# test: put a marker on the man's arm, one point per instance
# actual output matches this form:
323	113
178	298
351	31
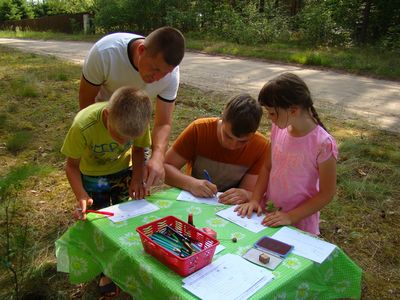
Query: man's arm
87	93
154	171
174	177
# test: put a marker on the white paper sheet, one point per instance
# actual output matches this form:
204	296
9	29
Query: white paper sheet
130	209
187	196
305	245
229	277
253	224
219	249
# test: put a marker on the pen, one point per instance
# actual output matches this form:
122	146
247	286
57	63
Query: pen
207	176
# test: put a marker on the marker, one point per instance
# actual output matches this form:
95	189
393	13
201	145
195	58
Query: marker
207	176
190	219
106	213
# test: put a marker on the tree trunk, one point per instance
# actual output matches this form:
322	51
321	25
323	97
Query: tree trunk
261	6
365	21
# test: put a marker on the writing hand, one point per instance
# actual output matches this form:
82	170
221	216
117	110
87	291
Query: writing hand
203	188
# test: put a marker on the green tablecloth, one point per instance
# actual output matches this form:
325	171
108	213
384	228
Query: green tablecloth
99	245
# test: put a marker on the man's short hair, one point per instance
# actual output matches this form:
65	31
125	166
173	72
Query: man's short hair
129	111
168	41
243	113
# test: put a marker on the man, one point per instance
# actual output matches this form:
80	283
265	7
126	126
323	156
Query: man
222	154
149	63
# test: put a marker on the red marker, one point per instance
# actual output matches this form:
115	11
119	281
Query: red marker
190	219
106	213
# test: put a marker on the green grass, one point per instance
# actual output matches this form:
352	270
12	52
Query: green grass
363	219
19	141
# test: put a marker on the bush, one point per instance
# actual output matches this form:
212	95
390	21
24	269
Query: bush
317	26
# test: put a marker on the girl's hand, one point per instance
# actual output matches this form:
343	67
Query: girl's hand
203	188
277	218
81	206
247	209
234	196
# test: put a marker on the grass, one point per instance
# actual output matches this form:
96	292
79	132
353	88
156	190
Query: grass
36	201
365	60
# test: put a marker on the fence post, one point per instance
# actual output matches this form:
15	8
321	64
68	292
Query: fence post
86	23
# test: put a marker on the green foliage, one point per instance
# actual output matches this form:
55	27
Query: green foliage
19	141
8	11
55	7
318	25
127	15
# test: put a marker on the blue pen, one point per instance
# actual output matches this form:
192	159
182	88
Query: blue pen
207	176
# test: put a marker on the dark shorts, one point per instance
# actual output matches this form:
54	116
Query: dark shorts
109	189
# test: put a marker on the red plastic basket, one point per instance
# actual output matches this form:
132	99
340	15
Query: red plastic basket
182	266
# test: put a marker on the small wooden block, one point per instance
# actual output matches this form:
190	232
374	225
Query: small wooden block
264	258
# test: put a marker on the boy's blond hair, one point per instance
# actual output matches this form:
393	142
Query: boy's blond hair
129	111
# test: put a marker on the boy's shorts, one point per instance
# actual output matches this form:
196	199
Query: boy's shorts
109	189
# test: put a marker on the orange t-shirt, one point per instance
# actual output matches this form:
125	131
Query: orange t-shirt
199	145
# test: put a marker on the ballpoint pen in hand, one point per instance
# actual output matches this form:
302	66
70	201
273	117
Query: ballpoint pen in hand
207	176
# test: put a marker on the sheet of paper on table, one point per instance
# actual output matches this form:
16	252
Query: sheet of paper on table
130	209
305	245
253	224
187	196
229	277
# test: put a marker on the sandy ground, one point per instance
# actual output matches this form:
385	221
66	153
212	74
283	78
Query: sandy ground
372	100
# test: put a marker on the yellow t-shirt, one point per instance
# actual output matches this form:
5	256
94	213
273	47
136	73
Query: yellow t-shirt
89	140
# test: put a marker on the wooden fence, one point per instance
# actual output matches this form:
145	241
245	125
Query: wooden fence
68	23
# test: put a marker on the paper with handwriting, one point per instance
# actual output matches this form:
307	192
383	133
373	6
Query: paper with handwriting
187	196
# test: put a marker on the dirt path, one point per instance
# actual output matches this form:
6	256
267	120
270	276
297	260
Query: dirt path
376	101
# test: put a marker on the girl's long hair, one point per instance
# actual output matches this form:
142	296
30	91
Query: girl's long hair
287	90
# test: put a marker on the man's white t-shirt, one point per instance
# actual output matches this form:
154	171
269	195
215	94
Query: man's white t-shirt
108	65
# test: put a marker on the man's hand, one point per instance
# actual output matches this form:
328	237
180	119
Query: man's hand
247	209
203	188
81	206
154	172
277	218
234	196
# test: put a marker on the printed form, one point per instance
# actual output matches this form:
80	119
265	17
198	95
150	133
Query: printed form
253	224
305	245
229	277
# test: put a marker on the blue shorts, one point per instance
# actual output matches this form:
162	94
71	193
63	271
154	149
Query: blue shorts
109	189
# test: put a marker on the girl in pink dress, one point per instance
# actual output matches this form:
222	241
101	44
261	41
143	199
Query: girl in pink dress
299	175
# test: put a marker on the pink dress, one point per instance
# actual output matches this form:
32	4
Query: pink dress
294	174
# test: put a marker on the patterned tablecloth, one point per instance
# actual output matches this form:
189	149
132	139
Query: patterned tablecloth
99	245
